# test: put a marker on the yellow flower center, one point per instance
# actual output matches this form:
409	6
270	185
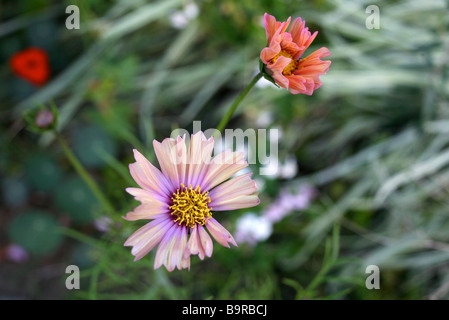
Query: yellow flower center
291	66
190	206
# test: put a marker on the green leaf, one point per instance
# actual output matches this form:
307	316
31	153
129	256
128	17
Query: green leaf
75	199
265	73
36	231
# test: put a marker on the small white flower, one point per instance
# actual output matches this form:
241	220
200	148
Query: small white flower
191	10
103	223
252	229
279	132
260	182
290	167
264	83
180	19
264	119
272	169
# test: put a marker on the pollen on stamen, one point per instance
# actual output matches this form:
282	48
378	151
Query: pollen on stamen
292	66
190	206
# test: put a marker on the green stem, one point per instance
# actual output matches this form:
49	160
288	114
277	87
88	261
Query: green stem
85	175
236	103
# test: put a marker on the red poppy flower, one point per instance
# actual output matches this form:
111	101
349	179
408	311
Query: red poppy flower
32	65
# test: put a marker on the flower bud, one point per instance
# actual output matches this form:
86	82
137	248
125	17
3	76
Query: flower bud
41	119
44	118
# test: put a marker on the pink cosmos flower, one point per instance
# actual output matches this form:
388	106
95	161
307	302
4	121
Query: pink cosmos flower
181	198
282	56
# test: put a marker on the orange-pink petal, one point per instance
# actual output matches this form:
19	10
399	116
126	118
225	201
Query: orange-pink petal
271	25
301	35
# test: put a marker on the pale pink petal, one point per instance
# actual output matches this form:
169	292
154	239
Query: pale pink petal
194	245
200	242
242	184
147	211
171	249
147	196
171	155
136	236
181	153
142	231
142	249
148	176
185	263
164	247
222	167
206	241
199	155
220	234
239	202
148	237
236	193
178	257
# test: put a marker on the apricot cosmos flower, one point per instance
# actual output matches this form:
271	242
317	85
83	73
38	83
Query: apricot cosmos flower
181	198
282	58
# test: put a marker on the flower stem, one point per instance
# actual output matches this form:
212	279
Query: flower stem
228	115
85	175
